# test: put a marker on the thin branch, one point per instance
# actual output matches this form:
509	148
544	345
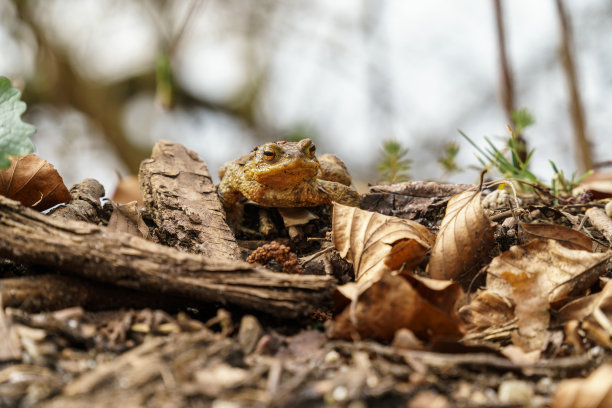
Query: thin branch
584	156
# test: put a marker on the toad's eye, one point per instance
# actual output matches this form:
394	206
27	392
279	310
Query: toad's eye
312	149
269	153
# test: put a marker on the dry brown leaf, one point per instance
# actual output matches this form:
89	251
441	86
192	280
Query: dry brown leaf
594	313
33	182
599	185
530	308
587	305
128	218
464	242
487	310
128	190
368	240
536	276
566	236
567	272
595	391
395	302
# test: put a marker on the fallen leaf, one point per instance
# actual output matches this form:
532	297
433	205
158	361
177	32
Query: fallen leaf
395	302
486	311
587	305
530	308
594	313
595	391
128	190
33	182
464	242
599	185
368	240
536	276
128	218
566	272
566	236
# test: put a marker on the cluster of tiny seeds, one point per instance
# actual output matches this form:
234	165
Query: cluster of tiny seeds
280	253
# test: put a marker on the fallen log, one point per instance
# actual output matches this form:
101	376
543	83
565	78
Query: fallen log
125	260
54	292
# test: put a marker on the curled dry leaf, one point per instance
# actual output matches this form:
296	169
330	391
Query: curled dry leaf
376	243
593	314
536	276
595	391
566	272
583	307
395	302
33	182
566	236
464	242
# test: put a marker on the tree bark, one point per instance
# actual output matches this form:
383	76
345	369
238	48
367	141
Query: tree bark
178	191
93	252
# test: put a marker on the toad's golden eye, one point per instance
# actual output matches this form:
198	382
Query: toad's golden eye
312	149
269	153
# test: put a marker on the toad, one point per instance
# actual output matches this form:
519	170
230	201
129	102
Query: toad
286	174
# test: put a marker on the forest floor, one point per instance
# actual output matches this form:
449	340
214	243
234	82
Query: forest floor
139	311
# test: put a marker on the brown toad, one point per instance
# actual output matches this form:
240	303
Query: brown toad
286	174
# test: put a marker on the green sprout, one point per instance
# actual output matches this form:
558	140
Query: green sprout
394	166
513	167
448	161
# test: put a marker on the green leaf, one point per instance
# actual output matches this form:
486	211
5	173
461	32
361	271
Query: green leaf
522	119
14	134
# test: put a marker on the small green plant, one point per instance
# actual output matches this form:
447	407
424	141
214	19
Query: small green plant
394	166
515	168
164	79
14	134
512	167
522	119
560	185
448	161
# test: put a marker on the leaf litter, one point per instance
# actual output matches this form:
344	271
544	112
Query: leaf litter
33	182
541	304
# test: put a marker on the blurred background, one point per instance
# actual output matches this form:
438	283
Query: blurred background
105	79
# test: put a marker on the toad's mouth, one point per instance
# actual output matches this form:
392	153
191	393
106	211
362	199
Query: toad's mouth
284	175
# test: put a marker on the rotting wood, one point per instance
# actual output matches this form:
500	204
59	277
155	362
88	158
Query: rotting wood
84	204
53	292
94	252
178	190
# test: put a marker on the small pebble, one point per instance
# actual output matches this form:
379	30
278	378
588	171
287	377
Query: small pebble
609	209
332	357
339	393
515	392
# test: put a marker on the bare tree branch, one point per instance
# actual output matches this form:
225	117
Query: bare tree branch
583	147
